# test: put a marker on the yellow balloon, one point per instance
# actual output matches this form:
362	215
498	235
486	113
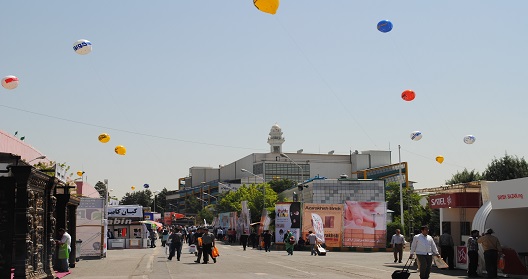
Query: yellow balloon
267	6
133	188
104	138
80	173
440	159
121	150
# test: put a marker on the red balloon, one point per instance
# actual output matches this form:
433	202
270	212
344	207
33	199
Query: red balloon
408	95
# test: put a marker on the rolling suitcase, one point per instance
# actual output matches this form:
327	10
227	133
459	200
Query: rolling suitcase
404	273
320	250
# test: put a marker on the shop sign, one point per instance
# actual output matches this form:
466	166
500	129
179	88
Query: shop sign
462	255
509	193
455	200
125	211
120	221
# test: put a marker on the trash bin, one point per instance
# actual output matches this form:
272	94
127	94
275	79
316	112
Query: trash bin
78	244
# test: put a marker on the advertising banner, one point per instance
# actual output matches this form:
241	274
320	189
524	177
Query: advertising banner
509	193
365	224
91	240
125	211
167	218
90	212
227	220
245	219
287	217
325	220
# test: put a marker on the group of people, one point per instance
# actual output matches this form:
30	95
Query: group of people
424	248
202	238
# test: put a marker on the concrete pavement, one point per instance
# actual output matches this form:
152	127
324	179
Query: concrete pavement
235	263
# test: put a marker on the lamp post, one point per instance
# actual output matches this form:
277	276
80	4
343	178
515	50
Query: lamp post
216	199
155	194
263	186
38	158
203	201
302	173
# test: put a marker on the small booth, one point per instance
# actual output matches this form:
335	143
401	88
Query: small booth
124	223
504	211
457	211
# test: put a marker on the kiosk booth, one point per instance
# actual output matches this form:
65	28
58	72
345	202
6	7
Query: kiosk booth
128	232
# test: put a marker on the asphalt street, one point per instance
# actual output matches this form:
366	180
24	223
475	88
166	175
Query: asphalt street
235	263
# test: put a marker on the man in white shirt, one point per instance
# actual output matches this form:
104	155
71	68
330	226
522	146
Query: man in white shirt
398	243
65	240
424	247
312	238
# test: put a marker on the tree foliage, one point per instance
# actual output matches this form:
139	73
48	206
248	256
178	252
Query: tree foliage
192	205
143	198
505	168
464	177
414	215
101	188
254	194
279	185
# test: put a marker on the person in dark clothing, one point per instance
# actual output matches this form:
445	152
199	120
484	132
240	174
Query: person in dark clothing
253	239
447	249
244	239
164	234
197	240
267	240
175	244
472	246
208	241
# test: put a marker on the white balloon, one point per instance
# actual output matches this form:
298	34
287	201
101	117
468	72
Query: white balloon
416	135
10	82
82	47
469	139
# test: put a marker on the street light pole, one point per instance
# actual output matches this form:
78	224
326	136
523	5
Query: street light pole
302	173
155	194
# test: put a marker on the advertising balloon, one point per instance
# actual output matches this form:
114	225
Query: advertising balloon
104	138
80	173
267	6
408	95
469	139
133	188
82	47
10	82
440	159
146	186
121	150
416	135
384	26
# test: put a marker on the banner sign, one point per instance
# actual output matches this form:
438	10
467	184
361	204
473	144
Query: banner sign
287	217
365	224
325	220
125	211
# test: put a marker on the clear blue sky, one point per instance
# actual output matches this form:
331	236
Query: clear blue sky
200	83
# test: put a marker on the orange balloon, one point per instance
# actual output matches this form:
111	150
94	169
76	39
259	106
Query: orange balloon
408	95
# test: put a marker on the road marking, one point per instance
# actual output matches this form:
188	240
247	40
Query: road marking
292	268
377	269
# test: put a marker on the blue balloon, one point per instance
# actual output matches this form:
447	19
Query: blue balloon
384	26
145	186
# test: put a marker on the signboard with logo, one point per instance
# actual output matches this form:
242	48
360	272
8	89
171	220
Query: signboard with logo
325	220
287	217
455	200
509	193
125	211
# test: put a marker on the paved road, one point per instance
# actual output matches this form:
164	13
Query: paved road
235	263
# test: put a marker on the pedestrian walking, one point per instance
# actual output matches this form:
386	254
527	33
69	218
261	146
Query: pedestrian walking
289	242
164	237
447	249
176	239
199	244
472	246
64	249
244	239
424	247
398	244
266	237
208	240
492	250
312	239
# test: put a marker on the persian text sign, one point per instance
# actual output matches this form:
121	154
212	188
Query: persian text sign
509	193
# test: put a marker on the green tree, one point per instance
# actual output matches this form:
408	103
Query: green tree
505	168
414	215
254	194
143	198
192	205
161	201
279	185
101	188
464	177
206	213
